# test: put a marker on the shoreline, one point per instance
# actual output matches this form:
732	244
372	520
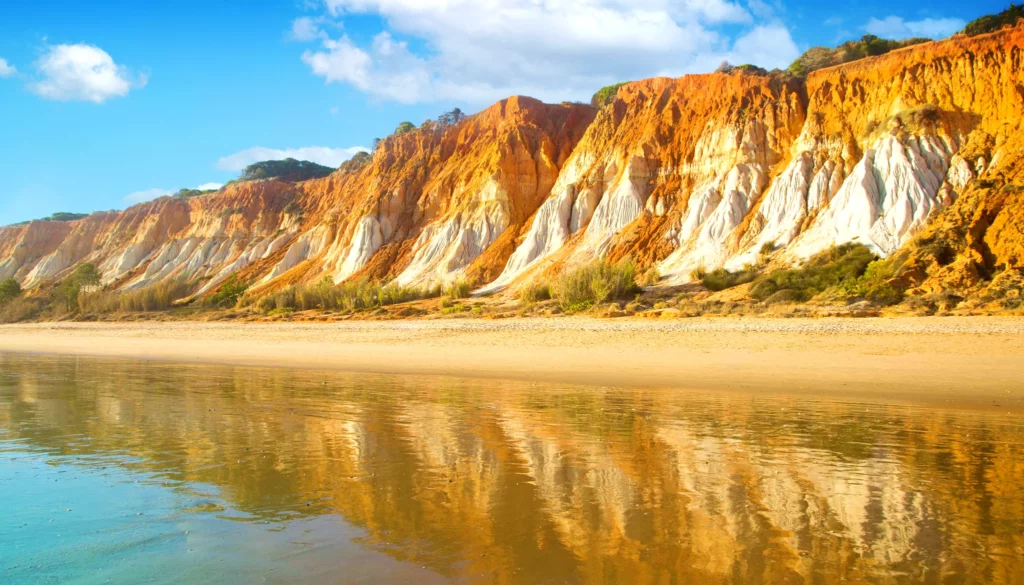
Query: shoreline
973	360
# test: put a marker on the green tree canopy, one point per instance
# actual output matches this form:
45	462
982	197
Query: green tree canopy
64	216
288	169
868	46
606	95
404	128
86	275
994	22
9	290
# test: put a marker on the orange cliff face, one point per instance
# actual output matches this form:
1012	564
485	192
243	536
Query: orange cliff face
705	171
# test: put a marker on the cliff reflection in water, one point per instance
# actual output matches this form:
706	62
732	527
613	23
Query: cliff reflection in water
492	482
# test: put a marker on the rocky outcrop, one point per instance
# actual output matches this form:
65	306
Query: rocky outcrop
705	171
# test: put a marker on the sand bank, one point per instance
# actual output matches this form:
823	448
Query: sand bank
975	359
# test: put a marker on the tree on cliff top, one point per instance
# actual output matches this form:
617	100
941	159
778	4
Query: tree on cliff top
288	169
994	22
868	46
63	216
404	128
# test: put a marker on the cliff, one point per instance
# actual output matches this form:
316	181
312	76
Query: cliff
915	154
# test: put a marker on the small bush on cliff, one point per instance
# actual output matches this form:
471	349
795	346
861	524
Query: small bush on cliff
9	290
994	22
360	160
721	279
868	46
62	216
587	286
459	289
651	277
606	95
404	128
66	294
536	292
229	292
837	268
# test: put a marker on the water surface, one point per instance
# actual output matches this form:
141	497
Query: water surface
132	472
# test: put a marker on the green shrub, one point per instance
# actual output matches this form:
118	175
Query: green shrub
157	297
63	216
404	128
536	292
66	294
994	22
651	277
593	284
868	46
229	292
839	265
459	289
288	169
605	95
787	296
874	284
698	274
721	279
9	290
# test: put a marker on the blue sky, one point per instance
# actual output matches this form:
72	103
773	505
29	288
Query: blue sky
105	103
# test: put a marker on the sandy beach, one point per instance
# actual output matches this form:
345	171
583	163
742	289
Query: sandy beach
951	360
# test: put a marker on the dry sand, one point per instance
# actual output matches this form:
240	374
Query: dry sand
975	360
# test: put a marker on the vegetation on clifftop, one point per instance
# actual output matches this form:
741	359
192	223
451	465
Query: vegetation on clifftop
993	22
288	169
868	46
605	95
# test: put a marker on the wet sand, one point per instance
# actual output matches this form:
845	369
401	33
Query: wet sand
975	360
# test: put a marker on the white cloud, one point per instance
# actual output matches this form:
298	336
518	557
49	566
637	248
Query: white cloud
144	196
305	29
82	73
6	69
331	157
209	186
894	27
483	50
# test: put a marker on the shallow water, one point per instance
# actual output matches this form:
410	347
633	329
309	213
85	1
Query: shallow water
133	472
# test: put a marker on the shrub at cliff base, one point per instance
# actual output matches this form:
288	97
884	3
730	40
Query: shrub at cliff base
157	297
579	289
9	290
849	270
536	292
229	292
66	294
348	296
459	289
721	279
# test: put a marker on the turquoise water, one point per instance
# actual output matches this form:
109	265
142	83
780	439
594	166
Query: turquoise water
130	472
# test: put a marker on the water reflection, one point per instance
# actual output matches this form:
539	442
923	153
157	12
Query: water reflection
490	482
